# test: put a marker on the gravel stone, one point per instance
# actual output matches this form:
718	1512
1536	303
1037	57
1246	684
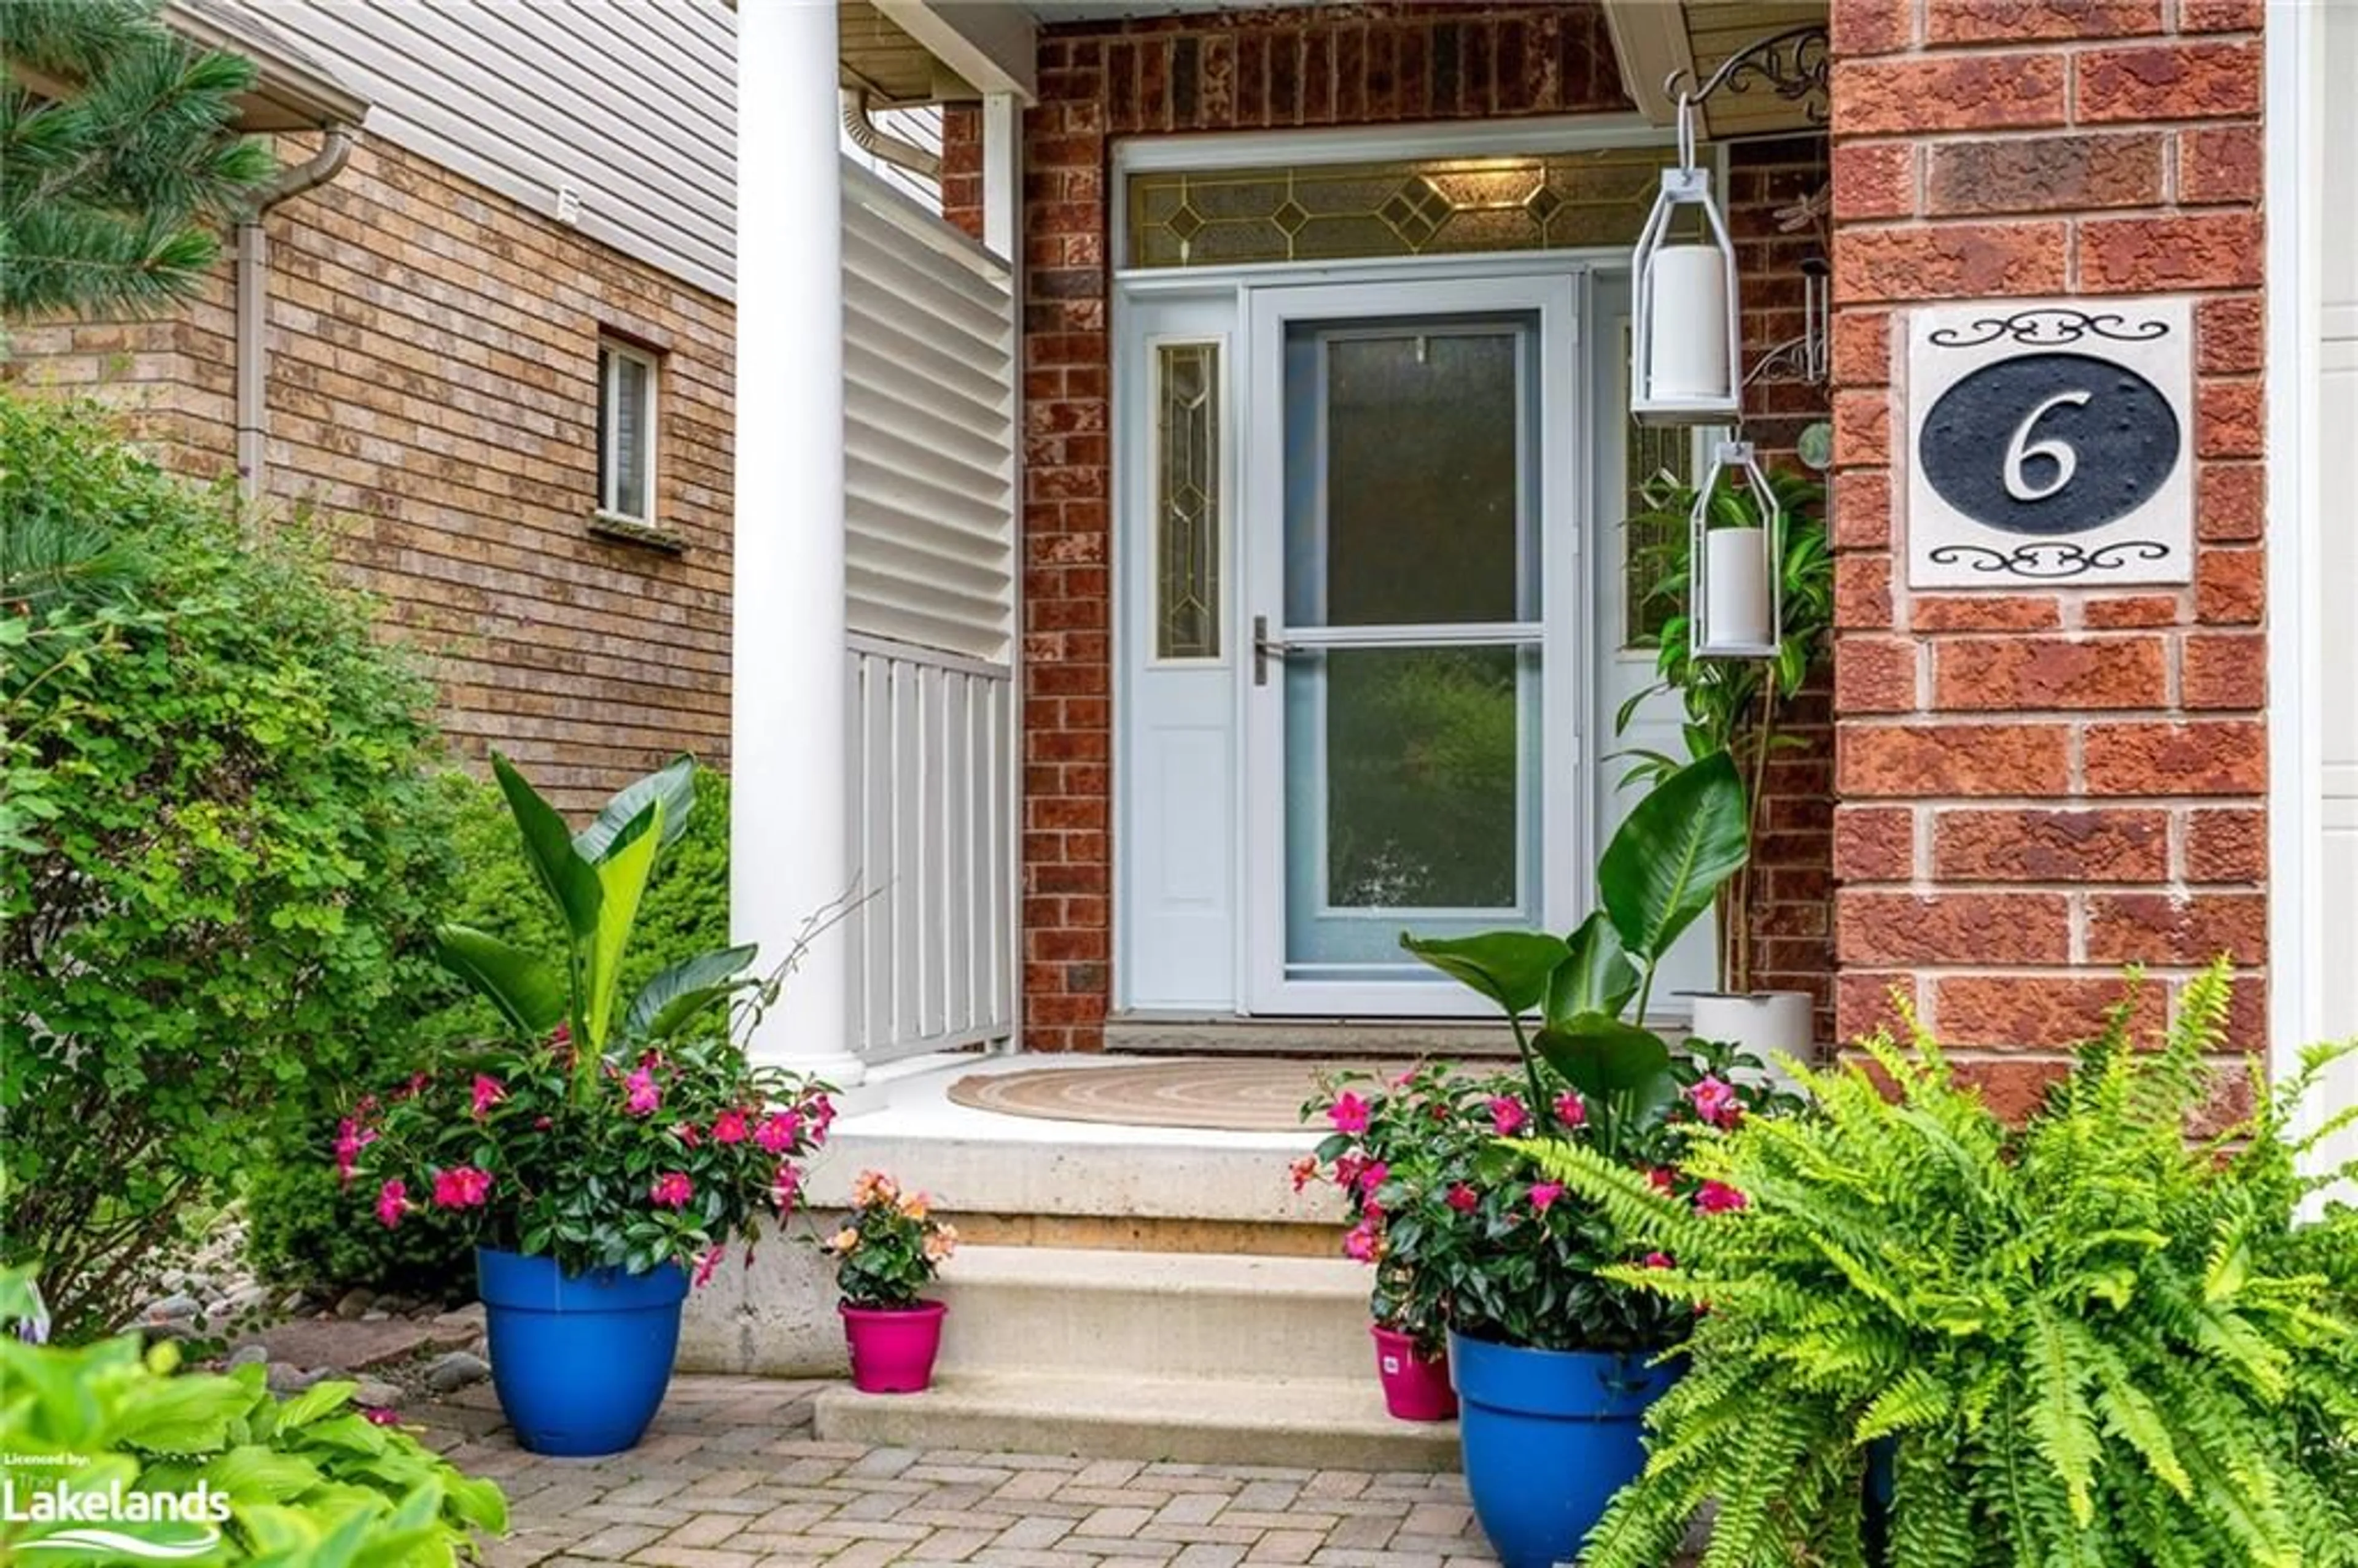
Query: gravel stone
353	1303
455	1370
286	1377
377	1392
248	1353
173	1307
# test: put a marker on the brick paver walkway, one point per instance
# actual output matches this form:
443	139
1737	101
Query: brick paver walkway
730	1478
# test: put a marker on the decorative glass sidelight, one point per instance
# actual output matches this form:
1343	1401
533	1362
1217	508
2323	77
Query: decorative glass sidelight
1188	500
1738	602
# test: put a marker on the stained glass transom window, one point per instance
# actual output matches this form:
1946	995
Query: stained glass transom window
1320	212
1188	500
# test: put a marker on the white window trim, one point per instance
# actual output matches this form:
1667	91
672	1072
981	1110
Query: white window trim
612	352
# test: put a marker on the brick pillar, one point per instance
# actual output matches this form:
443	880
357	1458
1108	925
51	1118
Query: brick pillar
2038	788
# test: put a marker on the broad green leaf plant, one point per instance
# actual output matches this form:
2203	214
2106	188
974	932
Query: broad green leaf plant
309	1482
2086	1341
1732	706
1590	989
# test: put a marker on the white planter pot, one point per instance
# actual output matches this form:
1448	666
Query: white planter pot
1765	1024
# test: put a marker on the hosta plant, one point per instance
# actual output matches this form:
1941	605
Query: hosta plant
2087	1340
602	1134
115	1455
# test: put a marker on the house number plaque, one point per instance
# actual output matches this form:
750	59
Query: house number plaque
2050	444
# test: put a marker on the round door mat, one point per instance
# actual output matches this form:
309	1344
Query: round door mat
1227	1097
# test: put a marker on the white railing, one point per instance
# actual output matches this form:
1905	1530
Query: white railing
930	578
933	944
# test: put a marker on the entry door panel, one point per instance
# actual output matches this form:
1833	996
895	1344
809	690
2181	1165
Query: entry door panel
1412	522
1411	638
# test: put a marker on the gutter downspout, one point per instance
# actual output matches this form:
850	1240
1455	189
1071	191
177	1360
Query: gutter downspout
877	142
254	302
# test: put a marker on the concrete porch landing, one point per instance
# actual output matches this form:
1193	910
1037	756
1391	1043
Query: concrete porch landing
1151	1293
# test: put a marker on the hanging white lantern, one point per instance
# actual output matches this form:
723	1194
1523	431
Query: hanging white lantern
1685	346
1736	584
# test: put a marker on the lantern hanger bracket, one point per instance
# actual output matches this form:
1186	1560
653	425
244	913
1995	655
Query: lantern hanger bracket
1796	65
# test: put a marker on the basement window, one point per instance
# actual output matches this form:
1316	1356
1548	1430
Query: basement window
626	432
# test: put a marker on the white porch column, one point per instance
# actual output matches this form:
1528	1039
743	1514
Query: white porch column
789	830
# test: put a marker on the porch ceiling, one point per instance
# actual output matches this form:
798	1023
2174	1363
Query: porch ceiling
878	55
1654	39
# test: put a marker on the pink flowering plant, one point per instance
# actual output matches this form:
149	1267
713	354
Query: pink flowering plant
605	1136
889	1246
1463	1229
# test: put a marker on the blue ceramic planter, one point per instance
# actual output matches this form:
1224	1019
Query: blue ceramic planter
1549	1435
580	1361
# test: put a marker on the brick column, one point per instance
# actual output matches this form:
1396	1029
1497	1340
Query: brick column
2038	788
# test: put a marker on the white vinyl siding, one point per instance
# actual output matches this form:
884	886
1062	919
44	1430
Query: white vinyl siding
627	391
929	428
631	106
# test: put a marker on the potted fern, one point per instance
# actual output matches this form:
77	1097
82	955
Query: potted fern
2085	1340
1738	708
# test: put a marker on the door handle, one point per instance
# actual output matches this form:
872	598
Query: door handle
1264	646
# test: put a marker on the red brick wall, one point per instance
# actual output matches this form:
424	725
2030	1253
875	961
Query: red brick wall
1344	65
1791	902
2038	788
433	396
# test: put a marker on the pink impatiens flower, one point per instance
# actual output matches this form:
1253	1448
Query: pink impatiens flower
672	1189
1544	1194
1657	1260
640	1095
461	1187
710	1260
1373	1177
379	1415
1508	1116
1304	1171
686	1133
1717	1197
1463	1198
351	1139
1715	1101
1362	1243
1348	1113
1570	1109
778	1131
729	1126
1663	1179
819	1112
392	1203
785	1185
488	1092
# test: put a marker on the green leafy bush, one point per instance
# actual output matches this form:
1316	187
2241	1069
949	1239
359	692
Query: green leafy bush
304	1225
308	1482
229	885
2085	1341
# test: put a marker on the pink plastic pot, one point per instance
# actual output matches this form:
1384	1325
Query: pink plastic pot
1416	1388
893	1349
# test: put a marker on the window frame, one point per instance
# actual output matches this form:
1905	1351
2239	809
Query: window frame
611	503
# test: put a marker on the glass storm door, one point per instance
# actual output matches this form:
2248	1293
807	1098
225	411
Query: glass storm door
1398	669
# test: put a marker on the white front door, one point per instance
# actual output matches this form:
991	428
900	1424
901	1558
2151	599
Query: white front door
1411	671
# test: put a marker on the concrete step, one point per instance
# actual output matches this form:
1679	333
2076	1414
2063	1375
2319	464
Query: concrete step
1313	1422
1068	1311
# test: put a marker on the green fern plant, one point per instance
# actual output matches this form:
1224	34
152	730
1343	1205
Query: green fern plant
2086	1341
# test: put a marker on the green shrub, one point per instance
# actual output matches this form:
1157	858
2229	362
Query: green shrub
225	896
308	1482
306	1228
